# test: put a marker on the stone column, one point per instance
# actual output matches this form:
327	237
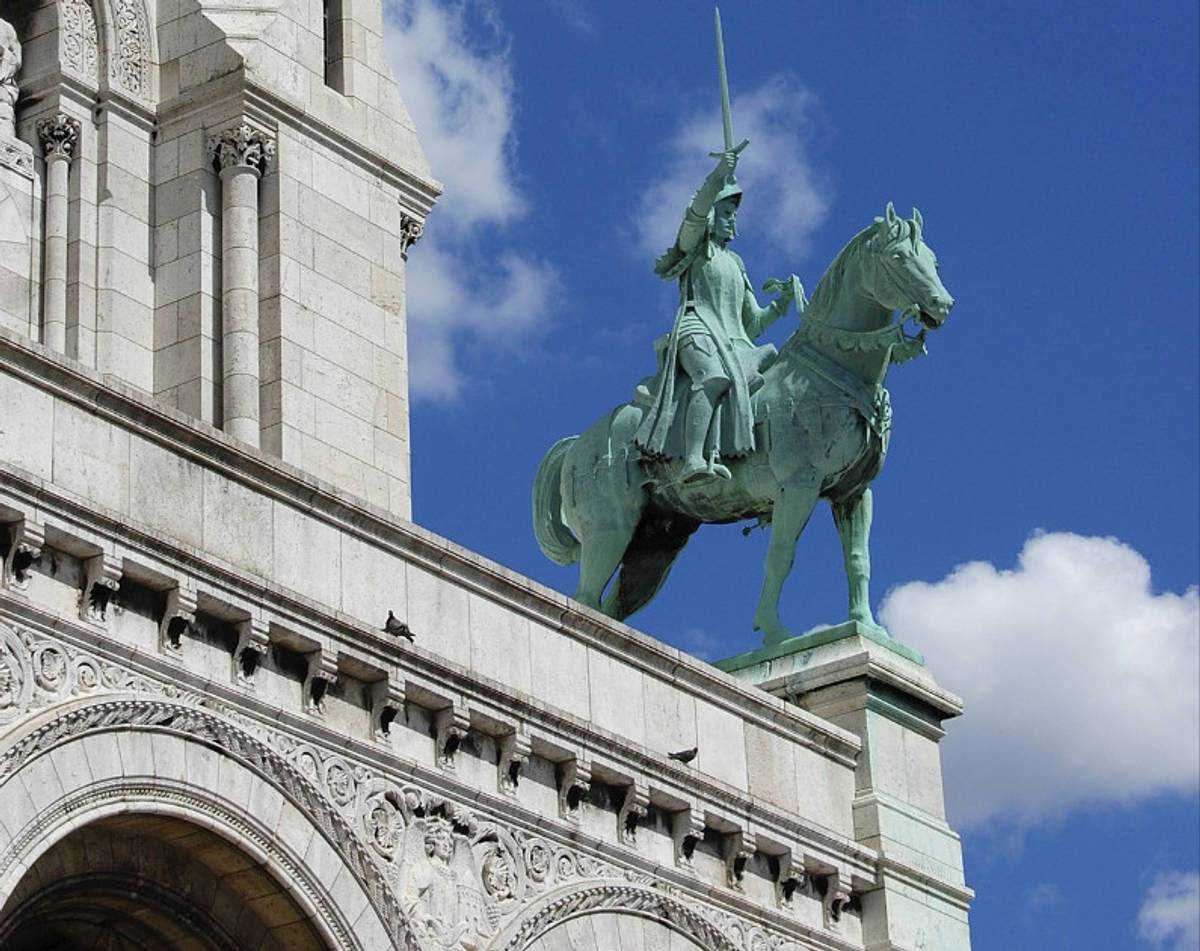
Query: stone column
59	136
242	155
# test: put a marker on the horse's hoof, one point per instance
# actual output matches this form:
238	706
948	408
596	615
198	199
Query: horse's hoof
773	631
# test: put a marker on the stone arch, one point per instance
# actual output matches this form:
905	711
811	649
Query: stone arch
105	44
604	915
87	764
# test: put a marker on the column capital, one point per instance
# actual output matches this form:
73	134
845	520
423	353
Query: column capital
242	146
59	136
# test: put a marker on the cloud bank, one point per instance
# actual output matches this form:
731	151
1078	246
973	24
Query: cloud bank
1079	680
786	200
459	90
1170	912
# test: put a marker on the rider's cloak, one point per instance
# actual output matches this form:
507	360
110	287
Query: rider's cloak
715	280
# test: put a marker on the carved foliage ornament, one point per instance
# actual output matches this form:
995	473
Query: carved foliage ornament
129	64
79	38
242	147
59	135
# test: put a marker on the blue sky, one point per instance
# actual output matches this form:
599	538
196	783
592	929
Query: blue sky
1036	523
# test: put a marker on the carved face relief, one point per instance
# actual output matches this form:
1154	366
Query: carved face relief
439	840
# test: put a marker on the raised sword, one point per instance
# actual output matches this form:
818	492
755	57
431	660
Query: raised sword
723	79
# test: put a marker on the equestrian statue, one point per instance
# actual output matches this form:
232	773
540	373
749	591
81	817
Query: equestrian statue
726	430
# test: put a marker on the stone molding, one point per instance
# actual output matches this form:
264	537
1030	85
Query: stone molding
59	136
242	146
129	60
501	880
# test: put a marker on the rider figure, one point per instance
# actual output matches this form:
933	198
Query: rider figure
706	413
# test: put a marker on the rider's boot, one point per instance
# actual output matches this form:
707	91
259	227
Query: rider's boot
696	424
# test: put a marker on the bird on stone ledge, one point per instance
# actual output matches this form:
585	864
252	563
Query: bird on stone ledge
685	756
398	628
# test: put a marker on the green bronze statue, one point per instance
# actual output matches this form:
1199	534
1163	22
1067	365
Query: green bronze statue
725	430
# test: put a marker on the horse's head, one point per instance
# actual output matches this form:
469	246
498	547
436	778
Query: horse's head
905	275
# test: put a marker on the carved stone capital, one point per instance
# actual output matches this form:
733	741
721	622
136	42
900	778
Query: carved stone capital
59	136
633	811
514	754
687	829
242	146
179	615
322	671
411	230
574	781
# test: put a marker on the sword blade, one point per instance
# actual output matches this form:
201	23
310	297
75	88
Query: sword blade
723	78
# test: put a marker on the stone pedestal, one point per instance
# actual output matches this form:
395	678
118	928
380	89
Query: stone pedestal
862	680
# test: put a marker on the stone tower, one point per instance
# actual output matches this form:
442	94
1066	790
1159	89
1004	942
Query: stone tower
211	735
213	204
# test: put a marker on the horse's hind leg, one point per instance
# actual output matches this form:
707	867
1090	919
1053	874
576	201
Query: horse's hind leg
600	555
793	506
853	521
646	564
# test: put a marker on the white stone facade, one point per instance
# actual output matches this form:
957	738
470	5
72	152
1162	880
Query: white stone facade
207	740
121	252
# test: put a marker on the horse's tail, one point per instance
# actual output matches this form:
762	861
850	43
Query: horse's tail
553	537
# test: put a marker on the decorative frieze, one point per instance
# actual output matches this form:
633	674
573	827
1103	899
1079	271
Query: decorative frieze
79	39
129	62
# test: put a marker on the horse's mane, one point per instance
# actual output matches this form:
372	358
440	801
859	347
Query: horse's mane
829	288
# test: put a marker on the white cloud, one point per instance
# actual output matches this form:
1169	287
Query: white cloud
1080	682
1170	912
785	199
459	90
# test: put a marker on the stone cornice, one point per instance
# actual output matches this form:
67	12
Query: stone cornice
236	93
276	479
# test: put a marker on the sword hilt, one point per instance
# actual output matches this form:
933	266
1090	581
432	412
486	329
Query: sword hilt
736	150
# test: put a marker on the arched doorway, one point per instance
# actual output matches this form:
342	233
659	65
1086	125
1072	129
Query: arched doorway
151	883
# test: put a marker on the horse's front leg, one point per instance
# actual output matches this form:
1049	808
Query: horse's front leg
793	506
853	521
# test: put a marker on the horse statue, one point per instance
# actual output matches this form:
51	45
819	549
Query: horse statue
822	421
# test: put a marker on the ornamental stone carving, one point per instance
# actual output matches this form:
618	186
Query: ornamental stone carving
79	40
129	62
411	230
59	136
242	147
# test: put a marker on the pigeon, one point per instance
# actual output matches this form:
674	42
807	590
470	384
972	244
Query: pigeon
685	756
398	628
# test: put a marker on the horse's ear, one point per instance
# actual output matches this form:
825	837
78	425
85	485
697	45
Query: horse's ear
918	220
915	231
890	215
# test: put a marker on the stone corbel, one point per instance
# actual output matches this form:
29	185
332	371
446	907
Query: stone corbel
837	894
28	540
736	849
253	638
178	617
514	749
101	581
687	830
411	230
574	781
788	878
387	703
633	810
322	671
450	726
